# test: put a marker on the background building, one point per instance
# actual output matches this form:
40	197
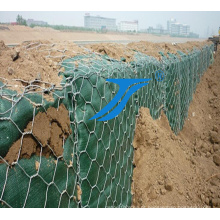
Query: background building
128	26
178	29
186	30
174	29
158	30
169	23
33	22
99	23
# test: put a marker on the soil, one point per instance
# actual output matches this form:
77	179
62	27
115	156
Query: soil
153	49
49	130
182	170
127	52
31	62
113	50
79	193
39	62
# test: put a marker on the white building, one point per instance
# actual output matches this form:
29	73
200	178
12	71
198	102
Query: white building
128	26
178	29
98	23
175	28
169	24
185	30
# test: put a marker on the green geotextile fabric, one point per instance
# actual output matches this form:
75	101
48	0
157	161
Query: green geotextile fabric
101	152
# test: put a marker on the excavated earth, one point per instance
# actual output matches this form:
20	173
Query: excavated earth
41	60
182	170
48	131
120	51
36	61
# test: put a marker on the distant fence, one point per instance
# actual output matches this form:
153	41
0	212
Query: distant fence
94	167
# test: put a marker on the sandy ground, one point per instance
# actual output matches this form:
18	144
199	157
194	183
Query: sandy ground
18	34
183	170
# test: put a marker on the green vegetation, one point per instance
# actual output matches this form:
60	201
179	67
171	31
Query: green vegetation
64	27
20	20
191	35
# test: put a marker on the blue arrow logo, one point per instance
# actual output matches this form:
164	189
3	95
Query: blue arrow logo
124	84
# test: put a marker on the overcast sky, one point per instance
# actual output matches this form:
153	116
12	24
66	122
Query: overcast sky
203	23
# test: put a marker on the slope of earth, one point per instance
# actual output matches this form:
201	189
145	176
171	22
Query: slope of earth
183	170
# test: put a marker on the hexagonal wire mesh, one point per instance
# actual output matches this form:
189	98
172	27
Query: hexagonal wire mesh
95	166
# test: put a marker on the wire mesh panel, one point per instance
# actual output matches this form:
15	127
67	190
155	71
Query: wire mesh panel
52	155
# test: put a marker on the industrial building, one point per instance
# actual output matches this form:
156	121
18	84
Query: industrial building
99	23
127	26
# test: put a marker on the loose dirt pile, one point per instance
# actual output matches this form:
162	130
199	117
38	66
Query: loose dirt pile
183	170
40	61
49	130
113	50
127	52
34	61
16	28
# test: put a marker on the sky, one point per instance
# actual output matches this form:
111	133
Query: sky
203	23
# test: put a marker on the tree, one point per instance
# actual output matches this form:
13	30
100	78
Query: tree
20	20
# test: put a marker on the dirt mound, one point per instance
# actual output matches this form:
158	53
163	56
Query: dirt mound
49	130
2	46
113	50
23	28
183	170
16	28
40	61
127	52
34	61
4	28
44	29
